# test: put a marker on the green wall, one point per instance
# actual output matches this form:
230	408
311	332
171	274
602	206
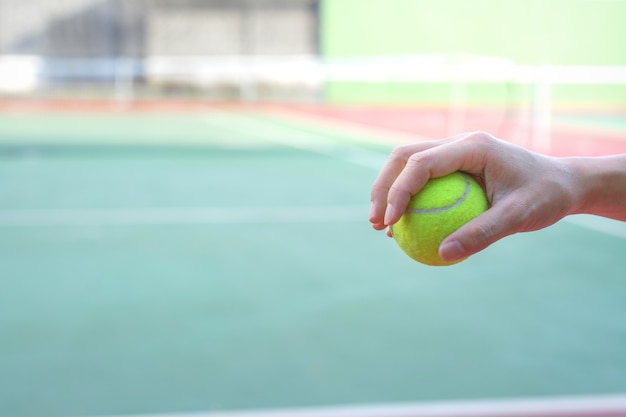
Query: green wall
533	32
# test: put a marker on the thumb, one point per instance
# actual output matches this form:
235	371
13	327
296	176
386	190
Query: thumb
479	233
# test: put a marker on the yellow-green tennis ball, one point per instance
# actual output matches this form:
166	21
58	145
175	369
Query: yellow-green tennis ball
441	207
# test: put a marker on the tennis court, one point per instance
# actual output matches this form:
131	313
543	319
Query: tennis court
219	260
184	201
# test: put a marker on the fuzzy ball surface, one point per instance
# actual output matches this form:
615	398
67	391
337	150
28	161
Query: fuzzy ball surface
441	207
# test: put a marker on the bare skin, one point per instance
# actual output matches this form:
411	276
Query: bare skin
527	191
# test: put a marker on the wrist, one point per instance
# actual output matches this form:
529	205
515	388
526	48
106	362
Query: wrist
599	185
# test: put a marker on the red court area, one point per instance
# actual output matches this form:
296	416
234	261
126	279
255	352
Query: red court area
579	136
567	133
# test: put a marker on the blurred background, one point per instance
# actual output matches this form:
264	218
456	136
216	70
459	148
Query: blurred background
184	190
508	65
143	49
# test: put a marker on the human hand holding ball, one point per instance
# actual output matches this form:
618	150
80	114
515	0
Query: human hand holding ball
426	197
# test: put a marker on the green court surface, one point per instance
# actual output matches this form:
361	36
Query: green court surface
159	263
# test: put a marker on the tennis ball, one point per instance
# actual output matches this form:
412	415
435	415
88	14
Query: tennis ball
442	206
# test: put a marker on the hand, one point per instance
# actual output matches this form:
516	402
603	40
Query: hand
526	191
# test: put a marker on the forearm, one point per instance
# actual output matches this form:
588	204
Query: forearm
600	185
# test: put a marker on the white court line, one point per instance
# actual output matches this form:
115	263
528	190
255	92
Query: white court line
268	131
374	134
599	224
584	406
182	215
371	159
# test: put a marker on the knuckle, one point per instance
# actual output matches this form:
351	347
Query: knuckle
397	190
484	234
480	138
378	191
479	235
401	153
420	159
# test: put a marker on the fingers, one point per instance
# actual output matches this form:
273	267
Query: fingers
409	168
386	178
395	164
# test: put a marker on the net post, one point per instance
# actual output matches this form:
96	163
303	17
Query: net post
248	79
123	79
456	107
541	123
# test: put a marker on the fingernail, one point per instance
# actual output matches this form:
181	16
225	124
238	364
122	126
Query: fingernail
451	251
389	213
372	210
